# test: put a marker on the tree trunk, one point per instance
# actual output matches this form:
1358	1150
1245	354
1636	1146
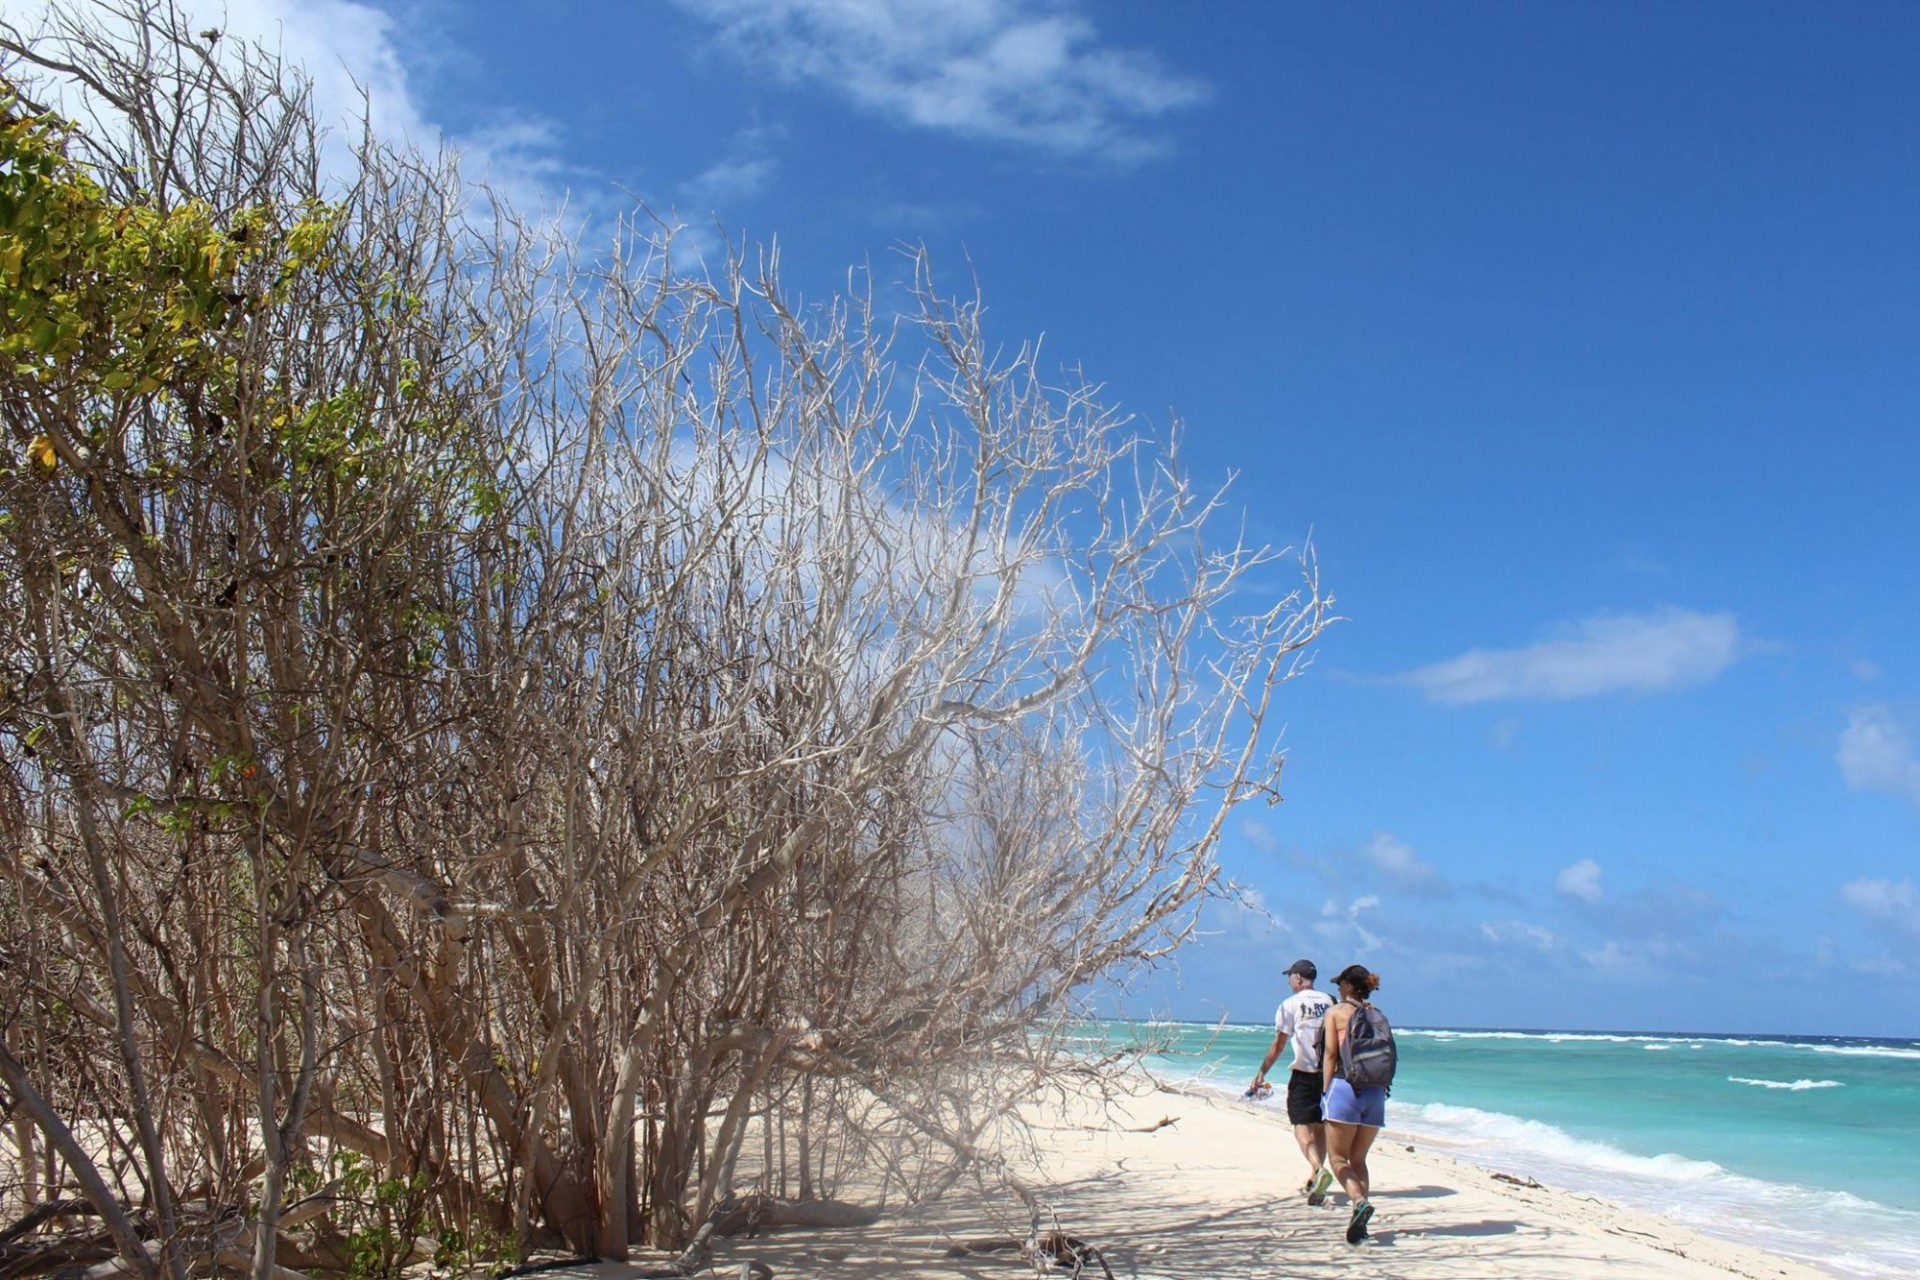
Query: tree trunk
616	1160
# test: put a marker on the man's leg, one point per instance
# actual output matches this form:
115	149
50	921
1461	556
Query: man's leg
1304	1135
1313	1145
1303	1109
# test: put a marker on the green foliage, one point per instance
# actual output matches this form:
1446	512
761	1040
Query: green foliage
128	337
462	1250
379	1216
125	299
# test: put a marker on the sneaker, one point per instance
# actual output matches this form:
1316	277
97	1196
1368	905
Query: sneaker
1357	1225
1317	1187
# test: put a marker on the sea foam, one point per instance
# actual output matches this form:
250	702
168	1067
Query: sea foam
1692	1042
1505	1141
1862	1051
1831	1229
1553	1037
1710	1114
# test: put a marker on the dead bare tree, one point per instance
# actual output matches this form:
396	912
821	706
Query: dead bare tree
493	723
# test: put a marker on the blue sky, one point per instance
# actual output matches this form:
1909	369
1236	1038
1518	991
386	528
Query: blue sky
1580	335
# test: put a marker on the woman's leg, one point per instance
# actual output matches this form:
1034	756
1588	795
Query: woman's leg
1340	1139
1359	1141
1358	1146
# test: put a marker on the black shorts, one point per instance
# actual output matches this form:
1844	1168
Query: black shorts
1303	1097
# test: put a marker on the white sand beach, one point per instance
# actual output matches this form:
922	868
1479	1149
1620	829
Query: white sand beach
1213	1194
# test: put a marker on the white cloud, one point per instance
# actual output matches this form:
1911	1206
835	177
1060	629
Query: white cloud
1259	835
1864	669
1034	74
1884	902
1506	732
1613	958
1401	865
1611	653
1875	754
1581	880
352	54
1243	916
1340	926
744	172
734	178
1639	958
1518	933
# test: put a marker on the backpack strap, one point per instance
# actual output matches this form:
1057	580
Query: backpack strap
1346	1041
1340	1058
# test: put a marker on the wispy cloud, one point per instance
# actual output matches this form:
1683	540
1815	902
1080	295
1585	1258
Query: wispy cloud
1612	653
1402	867
1261	837
1036	74
744	172
1509	933
1885	902
1581	880
1678	914
1342	926
1669	928
1617	961
1242	917
1876	755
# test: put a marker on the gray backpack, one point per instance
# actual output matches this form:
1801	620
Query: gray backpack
1368	1056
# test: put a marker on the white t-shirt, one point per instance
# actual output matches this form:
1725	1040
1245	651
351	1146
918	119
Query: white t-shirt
1299	1016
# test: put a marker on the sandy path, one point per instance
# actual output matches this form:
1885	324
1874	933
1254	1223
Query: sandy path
1212	1195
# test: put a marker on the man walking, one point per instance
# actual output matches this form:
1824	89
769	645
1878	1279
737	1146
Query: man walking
1298	1019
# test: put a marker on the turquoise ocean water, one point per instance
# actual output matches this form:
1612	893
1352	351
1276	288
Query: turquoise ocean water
1806	1146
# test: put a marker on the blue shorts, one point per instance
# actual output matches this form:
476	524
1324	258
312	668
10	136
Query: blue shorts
1345	1104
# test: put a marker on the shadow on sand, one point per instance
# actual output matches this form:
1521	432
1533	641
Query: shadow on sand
1484	1227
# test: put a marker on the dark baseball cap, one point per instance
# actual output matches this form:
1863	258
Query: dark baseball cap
1304	968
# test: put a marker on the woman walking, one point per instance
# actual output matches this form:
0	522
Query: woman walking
1354	1115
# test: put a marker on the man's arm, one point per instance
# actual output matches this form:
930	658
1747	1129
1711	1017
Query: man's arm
1273	1056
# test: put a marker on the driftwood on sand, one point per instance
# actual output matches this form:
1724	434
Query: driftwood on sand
1055	1248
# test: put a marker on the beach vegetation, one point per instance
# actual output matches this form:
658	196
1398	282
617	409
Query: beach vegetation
507	746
